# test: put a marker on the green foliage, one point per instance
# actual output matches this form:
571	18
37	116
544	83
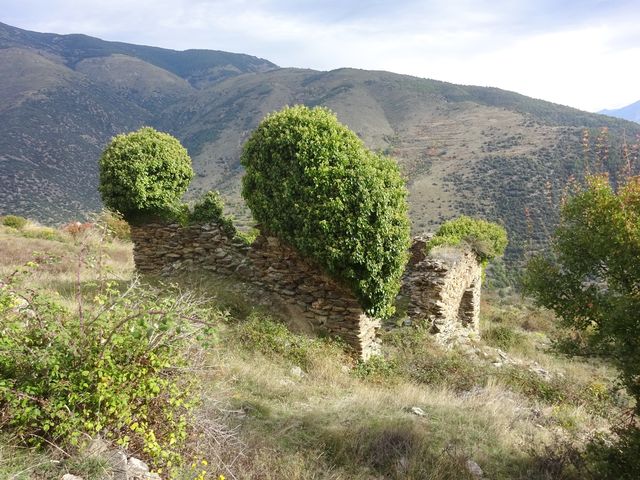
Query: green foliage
620	460
44	233
248	237
590	280
109	367
14	221
377	369
145	173
311	181
116	226
488	240
211	209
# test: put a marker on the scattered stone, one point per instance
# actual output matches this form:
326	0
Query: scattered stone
474	469
418	411
297	372
97	446
118	461
68	476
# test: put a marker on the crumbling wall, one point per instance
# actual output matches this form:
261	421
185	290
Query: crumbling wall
443	288
268	263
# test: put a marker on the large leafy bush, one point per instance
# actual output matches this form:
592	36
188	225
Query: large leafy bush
145	173
310	181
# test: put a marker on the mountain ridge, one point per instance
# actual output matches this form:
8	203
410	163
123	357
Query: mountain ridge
630	112
481	151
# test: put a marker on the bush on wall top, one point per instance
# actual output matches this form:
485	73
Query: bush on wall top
310	181
488	240
145	172
210	208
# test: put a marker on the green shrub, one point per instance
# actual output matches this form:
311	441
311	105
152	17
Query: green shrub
116	226
110	367
211	209
14	221
144	174
249	236
310	181
488	240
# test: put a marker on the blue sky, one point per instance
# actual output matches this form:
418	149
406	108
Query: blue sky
585	54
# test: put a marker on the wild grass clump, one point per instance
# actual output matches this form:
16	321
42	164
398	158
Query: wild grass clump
263	334
487	240
503	337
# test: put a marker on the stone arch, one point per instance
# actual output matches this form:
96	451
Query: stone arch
443	288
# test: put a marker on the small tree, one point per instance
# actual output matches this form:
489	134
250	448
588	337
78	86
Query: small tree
591	279
487	240
145	173
310	181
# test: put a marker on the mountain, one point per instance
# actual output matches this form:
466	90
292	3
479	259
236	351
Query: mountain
463	149
630	112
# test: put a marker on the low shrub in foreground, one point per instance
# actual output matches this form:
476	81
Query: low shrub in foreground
109	367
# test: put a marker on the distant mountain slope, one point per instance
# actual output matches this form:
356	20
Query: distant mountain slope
463	149
630	112
199	67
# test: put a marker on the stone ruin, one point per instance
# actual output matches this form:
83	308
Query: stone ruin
442	288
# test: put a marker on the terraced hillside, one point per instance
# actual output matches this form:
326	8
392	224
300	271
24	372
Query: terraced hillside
464	149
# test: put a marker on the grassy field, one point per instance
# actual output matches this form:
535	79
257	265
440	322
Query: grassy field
280	405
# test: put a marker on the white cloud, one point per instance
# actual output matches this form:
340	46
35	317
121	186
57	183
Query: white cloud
579	53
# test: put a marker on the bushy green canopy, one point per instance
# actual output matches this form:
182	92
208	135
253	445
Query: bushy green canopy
310	181
144	172
487	239
591	280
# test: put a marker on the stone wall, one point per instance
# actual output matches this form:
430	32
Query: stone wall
443	288
268	263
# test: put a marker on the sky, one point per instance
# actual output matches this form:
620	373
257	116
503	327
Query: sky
585	54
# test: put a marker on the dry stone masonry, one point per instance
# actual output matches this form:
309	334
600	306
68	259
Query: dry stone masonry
443	289
268	263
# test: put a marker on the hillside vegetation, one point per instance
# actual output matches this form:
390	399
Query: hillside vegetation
480	151
274	404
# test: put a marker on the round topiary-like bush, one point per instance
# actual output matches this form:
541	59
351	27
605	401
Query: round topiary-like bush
145	173
310	181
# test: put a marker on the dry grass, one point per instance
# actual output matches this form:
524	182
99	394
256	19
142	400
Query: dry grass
307	412
60	274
